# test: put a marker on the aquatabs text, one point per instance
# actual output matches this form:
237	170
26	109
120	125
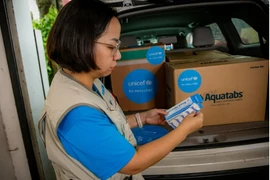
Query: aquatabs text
227	95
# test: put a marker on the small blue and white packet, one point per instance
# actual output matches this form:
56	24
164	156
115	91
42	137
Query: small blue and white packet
177	113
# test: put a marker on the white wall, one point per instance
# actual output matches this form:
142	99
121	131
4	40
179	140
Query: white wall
33	85
13	161
6	166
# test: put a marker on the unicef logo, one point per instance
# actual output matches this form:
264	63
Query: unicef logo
155	55
195	78
189	81
140	86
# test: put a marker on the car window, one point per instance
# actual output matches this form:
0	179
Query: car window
218	36
247	34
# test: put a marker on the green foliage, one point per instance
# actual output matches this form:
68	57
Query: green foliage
44	25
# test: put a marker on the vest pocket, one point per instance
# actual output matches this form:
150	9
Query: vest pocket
110	101
122	125
129	135
62	174
117	119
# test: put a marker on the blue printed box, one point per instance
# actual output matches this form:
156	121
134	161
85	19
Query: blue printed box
178	112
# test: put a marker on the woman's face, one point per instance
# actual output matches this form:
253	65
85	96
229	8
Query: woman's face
106	49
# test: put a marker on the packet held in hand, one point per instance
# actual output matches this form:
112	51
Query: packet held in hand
178	112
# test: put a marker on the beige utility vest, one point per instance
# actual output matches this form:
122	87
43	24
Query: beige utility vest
65	94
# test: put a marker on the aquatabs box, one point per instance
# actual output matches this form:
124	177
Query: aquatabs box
178	112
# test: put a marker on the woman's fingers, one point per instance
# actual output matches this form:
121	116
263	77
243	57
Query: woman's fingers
161	111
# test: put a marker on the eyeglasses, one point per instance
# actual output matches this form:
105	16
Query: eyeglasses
112	47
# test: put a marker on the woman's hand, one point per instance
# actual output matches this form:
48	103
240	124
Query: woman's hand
147	154
192	122
154	117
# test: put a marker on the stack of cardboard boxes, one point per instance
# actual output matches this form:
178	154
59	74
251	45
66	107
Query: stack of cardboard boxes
234	88
138	80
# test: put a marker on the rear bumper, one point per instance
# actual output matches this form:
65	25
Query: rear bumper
212	160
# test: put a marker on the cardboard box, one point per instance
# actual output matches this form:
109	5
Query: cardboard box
213	53
196	55
138	80
234	89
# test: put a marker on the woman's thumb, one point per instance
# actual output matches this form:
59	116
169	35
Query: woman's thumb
192	114
199	115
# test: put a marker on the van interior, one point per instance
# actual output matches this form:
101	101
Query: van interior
230	28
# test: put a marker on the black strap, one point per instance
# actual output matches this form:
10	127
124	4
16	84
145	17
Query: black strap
42	128
128	178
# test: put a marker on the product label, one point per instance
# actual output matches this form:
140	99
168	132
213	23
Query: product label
155	55
189	81
140	86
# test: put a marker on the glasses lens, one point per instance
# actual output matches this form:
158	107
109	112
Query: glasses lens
114	51
116	48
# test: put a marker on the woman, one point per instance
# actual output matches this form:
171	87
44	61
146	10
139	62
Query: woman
86	134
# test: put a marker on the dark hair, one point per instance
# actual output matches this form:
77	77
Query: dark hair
72	38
